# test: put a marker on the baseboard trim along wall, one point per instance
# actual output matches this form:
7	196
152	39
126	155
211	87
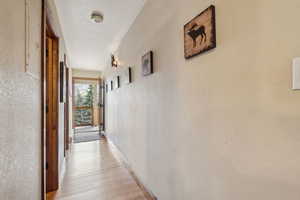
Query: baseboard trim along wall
62	172
120	156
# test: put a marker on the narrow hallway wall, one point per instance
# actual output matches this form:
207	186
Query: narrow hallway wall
20	103
20	99
223	125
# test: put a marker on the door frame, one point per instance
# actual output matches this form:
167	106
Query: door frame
98	80
52	137
47	31
102	105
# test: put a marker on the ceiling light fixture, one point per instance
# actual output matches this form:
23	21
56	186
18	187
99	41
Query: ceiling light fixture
97	17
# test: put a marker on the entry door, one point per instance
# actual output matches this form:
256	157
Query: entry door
52	114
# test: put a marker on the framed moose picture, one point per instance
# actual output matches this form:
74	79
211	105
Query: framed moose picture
200	33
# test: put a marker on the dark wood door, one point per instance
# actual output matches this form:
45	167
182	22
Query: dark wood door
51	114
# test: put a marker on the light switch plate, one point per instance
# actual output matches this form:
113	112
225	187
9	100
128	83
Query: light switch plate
296	74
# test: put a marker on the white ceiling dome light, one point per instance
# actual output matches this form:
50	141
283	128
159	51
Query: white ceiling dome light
97	17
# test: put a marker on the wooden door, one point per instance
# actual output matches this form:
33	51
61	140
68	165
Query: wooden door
51	114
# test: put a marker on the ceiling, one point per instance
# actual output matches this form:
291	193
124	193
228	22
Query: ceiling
89	44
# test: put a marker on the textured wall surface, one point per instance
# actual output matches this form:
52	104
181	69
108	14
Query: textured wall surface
20	131
223	125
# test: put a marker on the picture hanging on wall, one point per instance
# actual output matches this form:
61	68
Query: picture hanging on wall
200	33
117	82
127	76
106	87
111	85
62	89
147	63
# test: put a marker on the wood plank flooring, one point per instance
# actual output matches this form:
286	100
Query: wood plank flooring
92	172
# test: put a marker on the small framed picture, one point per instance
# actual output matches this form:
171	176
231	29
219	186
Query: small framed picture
200	33
117	82
111	85
62	89
106	87
127	76
147	64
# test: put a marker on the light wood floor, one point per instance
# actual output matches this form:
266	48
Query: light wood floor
92	172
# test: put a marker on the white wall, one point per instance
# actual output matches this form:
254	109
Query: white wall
20	100
223	125
20	103
79	73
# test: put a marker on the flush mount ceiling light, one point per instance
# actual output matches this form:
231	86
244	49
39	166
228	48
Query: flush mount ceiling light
97	17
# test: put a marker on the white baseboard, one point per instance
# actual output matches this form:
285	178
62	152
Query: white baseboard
62	172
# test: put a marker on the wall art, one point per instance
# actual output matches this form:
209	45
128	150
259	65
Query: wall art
117	82
127	77
62	89
200	33
111	85
147	63
106	87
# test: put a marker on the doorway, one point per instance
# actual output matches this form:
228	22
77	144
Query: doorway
52	91
86	110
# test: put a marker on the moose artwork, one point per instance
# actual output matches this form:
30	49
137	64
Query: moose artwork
200	33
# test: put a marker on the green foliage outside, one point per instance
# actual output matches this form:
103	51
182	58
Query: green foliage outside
84	98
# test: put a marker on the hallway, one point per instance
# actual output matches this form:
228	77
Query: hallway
93	172
149	100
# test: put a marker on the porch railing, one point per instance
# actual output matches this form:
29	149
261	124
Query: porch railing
83	116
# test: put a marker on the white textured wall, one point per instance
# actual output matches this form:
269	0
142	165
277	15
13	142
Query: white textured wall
223	125
20	103
20	100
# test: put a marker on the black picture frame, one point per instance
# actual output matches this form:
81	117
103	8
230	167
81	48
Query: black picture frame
117	80
62	88
213	38
111	85
127	76
147	64
106	87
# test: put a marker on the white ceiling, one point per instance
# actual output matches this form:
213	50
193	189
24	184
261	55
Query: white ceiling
89	44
